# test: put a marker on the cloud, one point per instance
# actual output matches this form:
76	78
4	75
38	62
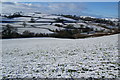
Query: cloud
74	8
61	0
51	8
9	3
11	7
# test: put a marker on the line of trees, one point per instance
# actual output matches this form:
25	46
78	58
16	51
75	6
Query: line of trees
69	32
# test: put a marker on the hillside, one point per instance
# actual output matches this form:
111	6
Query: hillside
56	58
53	25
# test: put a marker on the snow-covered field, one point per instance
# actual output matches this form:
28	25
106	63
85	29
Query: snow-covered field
56	58
34	30
44	23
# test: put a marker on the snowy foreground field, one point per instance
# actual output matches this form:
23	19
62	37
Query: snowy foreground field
60	58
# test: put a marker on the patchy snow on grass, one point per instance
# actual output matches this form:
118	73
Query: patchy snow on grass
45	20
56	58
1	26
96	27
51	27
52	17
34	30
38	24
18	19
68	19
40	15
33	27
22	19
